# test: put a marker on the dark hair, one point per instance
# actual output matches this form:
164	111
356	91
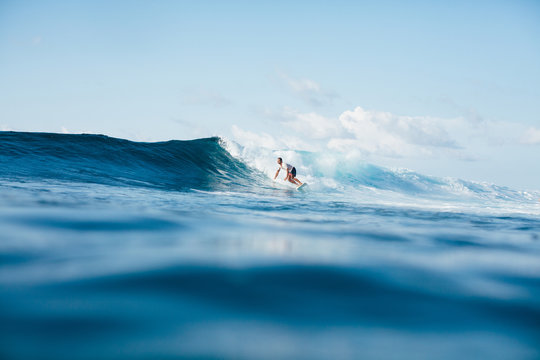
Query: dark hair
280	159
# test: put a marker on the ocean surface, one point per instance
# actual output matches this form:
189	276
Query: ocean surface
112	249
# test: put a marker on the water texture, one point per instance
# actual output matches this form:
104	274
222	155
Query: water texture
112	249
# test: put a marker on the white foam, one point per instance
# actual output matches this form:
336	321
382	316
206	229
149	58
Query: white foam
332	172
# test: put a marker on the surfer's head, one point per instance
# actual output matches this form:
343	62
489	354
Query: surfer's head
279	160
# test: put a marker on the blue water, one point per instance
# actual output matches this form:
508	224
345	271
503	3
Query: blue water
112	249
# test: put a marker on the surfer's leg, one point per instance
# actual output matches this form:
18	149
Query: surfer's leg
291	179
294	180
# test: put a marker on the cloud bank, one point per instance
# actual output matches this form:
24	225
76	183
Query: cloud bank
384	134
531	136
392	135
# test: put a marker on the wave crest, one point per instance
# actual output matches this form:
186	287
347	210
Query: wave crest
337	171
173	165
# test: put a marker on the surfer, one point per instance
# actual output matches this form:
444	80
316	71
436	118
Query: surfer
291	172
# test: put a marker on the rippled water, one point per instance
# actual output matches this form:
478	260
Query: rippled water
116	270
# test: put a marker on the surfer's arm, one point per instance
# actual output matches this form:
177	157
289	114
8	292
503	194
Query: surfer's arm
277	172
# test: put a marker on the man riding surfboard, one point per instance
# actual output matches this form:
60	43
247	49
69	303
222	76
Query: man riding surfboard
291	172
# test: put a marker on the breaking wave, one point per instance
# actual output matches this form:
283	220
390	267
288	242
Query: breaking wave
214	164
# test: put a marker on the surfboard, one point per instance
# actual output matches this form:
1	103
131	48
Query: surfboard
302	187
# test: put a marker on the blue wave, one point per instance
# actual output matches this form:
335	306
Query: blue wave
173	165
206	164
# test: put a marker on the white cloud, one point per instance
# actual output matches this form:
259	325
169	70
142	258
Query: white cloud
392	135
308	90
205	97
467	112
249	138
359	131
311	124
383	134
371	132
531	136
302	85
265	140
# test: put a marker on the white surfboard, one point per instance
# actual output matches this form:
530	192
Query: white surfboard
302	187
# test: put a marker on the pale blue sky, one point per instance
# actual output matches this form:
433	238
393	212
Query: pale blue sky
178	70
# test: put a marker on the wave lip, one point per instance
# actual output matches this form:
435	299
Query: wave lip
201	164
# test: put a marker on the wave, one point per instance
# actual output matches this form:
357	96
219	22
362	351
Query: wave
331	171
215	164
172	165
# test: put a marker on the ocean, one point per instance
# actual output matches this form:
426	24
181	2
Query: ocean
113	249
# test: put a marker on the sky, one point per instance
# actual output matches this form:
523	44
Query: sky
442	88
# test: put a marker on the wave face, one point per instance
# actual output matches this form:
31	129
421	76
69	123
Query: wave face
172	165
